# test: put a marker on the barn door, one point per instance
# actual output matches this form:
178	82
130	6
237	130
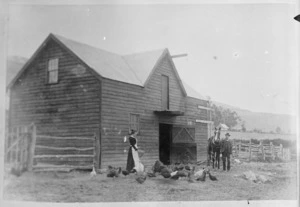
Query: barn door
165	138
184	148
165	92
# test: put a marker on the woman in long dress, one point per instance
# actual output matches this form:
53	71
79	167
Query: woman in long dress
133	162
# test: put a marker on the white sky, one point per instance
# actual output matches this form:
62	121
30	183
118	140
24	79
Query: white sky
239	54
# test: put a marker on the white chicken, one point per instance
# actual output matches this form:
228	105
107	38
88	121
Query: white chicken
93	173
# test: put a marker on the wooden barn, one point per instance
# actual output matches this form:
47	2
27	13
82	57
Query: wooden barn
70	89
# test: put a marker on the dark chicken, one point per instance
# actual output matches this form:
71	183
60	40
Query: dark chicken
165	172
213	178
113	172
125	172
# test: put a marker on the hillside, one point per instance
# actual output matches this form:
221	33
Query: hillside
265	121
14	64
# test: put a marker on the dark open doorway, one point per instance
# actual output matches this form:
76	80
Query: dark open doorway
165	139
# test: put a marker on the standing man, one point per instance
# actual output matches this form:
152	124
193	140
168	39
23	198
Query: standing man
226	150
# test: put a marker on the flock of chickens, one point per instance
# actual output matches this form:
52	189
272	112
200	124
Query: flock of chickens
174	172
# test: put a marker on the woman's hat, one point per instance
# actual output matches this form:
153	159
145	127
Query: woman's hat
132	131
227	134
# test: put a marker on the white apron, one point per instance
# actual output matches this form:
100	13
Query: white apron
139	167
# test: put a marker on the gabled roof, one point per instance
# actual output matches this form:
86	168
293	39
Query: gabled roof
192	93
143	63
133	68
106	64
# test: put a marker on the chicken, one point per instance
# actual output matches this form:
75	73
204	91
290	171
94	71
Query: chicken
202	177
178	174
179	167
213	178
165	172
93	173
158	166
199	173
191	175
113	172
141	177
125	172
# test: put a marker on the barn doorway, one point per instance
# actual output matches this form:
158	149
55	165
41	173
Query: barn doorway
165	140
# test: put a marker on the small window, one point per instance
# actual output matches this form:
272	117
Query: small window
52	72
134	122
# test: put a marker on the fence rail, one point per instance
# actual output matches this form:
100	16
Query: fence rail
247	150
25	149
65	153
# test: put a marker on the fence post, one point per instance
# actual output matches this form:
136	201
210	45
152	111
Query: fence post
234	147
280	151
240	147
26	147
32	148
288	154
6	145
272	150
9	154
250	150
98	150
262	150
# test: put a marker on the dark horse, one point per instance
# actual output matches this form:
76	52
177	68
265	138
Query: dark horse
213	149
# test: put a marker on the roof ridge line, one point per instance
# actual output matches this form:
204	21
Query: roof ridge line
85	44
136	53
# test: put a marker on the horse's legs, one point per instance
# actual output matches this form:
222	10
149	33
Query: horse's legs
218	159
208	158
213	158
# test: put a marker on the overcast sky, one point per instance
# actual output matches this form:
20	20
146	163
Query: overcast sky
239	54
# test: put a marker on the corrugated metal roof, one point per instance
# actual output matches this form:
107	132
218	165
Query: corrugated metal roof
193	93
143	63
134	68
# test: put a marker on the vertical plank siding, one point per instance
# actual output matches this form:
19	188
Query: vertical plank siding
70	107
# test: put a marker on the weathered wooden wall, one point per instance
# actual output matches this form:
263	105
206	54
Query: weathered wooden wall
80	105
193	112
121	99
69	108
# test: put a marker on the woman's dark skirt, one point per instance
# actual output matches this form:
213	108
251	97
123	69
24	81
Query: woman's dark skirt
130	161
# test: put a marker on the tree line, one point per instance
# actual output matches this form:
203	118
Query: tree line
221	115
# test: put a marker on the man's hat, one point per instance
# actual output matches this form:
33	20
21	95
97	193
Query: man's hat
227	134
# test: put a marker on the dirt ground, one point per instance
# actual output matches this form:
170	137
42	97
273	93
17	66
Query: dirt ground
81	187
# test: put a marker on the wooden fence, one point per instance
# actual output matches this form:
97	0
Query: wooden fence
33	151
244	149
65	153
19	147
